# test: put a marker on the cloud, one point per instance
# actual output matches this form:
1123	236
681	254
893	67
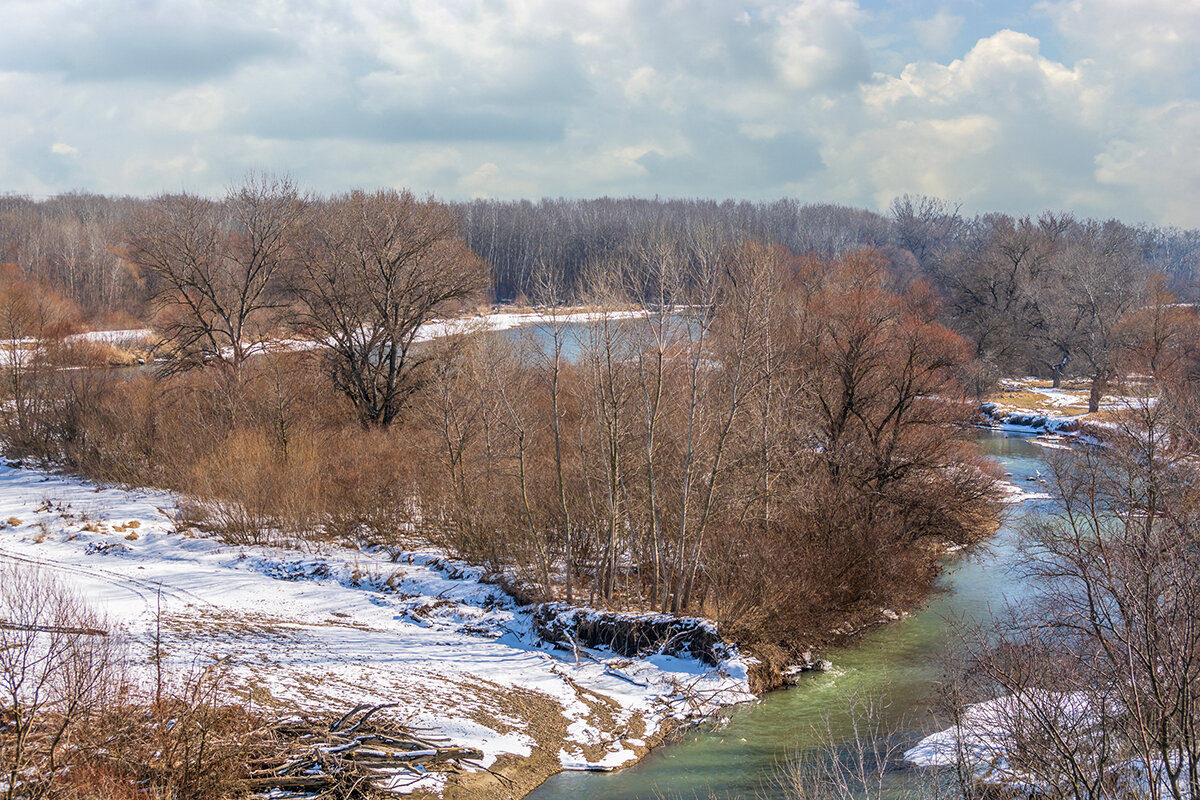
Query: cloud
1155	162
1002	128
826	99
1149	41
103	40
819	47
937	33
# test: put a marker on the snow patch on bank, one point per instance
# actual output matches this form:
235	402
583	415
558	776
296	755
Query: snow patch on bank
129	336
330	629
506	320
984	745
1016	494
1019	422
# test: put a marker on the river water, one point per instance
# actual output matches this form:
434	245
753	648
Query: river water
739	759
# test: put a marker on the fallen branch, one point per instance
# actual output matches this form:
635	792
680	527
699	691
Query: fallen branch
351	757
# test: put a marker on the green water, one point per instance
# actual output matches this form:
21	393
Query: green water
900	660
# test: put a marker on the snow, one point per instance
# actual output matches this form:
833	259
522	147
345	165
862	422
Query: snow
329	629
1060	411
1052	442
982	738
612	760
134	335
1016	494
982	743
505	320
1058	397
439	328
498	320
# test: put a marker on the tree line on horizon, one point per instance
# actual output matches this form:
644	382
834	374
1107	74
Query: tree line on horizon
1034	294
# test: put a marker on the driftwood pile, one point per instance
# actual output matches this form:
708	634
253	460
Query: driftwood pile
629	635
353	757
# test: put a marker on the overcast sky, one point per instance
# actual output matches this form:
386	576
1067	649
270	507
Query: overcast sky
1088	105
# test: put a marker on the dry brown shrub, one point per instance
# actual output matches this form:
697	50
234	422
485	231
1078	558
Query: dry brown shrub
369	486
59	665
190	743
84	353
73	726
253	494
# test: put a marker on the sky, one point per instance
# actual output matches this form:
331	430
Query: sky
1091	106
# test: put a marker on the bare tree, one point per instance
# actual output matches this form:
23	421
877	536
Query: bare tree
216	267
925	226
607	348
373	270
1103	281
56	665
548	291
855	759
29	316
511	383
1161	334
996	289
1098	674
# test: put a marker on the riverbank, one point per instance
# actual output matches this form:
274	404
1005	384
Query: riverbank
1031	405
327	629
536	689
739	754
588	724
139	346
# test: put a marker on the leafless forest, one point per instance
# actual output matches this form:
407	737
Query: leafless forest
776	438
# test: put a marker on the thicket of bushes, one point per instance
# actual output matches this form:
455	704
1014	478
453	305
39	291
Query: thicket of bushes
784	455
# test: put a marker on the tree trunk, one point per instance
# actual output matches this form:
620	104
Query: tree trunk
1099	384
558	467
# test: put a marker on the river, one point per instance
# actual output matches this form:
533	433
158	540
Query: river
739	759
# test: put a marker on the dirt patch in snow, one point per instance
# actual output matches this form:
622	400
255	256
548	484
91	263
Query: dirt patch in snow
506	709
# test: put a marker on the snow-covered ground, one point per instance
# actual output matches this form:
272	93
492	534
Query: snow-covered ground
1027	406
982	740
1015	494
504	320
497	320
331	629
983	744
129	336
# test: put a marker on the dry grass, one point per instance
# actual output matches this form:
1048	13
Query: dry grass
1018	399
1021	396
97	354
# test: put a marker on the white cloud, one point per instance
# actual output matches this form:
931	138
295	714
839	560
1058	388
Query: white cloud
818	46
1146	40
937	33
540	97
1156	162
